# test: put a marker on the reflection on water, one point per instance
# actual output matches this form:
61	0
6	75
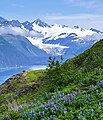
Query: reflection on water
9	72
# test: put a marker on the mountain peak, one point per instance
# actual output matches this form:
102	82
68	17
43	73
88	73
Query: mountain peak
2	20
40	23
38	20
77	27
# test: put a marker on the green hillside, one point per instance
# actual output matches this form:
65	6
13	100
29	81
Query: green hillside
72	90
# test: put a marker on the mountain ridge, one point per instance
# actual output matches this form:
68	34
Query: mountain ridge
53	40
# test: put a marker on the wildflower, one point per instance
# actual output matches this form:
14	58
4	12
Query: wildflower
100	83
52	110
65	99
51	117
97	91
92	86
80	113
99	105
25	114
56	90
88	97
43	119
87	111
36	99
59	95
92	111
79	92
42	112
32	112
78	117
65	110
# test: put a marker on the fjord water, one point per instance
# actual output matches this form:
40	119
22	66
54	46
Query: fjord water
9	72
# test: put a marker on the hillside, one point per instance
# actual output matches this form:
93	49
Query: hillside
18	51
72	90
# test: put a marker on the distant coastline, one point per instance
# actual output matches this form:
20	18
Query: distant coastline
6	73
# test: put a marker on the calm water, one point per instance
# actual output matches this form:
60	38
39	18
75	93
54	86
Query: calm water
9	72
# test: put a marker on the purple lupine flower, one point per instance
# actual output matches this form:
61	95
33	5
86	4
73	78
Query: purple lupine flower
56	90
36	99
65	99
92	111
74	94
59	94
51	117
88	97
65	110
42	112
43	119
39	113
87	111
79	92
99	105
32	112
25	114
100	83
92	86
70	95
97	91
78	117
52	110
80	113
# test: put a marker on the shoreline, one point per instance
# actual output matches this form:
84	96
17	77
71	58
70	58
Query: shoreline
5	74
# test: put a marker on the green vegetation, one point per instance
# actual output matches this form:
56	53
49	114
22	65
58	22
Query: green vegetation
72	90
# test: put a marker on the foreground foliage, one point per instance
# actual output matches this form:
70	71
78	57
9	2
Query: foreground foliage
69	91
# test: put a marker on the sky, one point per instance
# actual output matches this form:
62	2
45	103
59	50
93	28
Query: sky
84	13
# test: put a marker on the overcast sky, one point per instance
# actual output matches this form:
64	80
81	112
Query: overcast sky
85	13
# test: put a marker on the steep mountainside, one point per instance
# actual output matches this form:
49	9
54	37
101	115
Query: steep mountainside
73	91
18	51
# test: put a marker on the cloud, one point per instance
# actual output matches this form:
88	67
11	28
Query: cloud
18	31
82	20
18	5
75	16
84	3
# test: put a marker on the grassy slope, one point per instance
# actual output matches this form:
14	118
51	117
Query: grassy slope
20	85
76	74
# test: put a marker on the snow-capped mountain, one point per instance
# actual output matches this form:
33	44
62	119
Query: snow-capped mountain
2	20
40	23
57	39
53	39
13	23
